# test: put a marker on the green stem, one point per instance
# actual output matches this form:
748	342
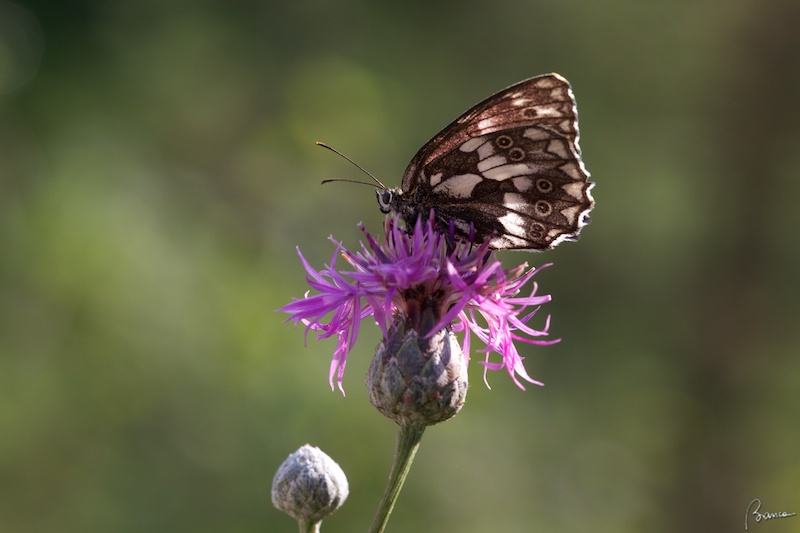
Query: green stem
408	439
309	527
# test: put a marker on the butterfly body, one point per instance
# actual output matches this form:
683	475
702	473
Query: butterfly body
509	170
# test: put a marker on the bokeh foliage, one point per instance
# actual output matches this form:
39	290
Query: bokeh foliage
157	170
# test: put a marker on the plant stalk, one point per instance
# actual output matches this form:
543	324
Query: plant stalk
408	439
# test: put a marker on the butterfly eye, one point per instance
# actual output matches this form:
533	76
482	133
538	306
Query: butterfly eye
385	200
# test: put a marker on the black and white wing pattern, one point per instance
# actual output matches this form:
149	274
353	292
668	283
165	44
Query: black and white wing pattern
511	167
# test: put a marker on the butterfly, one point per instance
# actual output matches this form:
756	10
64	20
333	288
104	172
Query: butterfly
509	170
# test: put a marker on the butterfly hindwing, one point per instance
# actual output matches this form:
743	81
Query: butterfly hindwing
510	167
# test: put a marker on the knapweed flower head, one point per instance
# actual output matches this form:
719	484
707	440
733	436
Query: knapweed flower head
411	273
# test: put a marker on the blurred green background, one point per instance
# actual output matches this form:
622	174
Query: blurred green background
157	170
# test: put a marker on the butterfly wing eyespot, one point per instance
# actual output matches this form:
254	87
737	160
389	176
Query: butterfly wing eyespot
510	168
504	141
516	154
544	186
543	207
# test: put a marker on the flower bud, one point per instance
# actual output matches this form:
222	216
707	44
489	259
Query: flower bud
309	485
417	380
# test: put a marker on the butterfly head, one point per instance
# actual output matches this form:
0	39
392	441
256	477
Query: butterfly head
389	200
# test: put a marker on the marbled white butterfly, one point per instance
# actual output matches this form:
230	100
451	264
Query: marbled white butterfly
508	169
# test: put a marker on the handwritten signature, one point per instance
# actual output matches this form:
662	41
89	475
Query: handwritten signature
762	516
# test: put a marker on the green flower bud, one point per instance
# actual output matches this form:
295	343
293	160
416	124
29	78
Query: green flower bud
416	380
309	485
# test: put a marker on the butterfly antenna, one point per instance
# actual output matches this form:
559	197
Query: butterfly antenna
359	167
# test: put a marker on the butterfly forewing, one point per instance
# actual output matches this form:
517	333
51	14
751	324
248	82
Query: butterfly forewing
510	168
543	100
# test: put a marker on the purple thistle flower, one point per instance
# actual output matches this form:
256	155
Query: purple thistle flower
408	272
